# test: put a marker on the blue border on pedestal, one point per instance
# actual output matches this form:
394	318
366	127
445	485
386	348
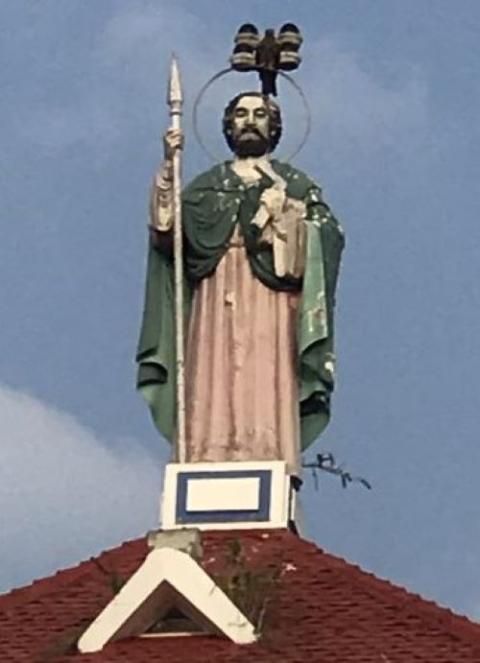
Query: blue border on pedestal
262	514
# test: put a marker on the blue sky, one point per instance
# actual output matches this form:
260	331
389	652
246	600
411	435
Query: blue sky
394	91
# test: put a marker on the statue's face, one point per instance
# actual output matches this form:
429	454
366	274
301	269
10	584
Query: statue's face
250	127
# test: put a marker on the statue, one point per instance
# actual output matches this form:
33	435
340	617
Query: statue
261	254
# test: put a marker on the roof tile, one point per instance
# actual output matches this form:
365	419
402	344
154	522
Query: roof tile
321	608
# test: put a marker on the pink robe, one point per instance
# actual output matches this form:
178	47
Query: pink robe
241	378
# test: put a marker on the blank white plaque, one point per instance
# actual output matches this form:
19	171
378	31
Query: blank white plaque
234	494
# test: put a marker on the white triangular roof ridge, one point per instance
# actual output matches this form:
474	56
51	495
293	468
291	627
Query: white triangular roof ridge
163	570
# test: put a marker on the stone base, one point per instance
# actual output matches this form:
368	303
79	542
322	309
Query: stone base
241	495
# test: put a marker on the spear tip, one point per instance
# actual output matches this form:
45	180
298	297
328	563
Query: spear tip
175	95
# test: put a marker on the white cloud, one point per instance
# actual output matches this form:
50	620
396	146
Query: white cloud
64	495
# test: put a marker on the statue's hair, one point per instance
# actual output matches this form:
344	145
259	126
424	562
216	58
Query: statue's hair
275	124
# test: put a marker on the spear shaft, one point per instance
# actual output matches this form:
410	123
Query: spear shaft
175	102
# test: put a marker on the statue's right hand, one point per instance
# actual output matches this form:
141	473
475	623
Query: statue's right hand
173	140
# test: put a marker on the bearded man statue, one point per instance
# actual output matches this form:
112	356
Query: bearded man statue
261	259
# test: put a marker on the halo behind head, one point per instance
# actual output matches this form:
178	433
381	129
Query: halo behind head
224	72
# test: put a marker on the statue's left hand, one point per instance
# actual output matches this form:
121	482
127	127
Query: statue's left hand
273	199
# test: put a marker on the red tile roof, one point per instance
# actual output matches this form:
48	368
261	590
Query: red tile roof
321	609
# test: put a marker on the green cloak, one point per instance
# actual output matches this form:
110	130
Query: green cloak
212	205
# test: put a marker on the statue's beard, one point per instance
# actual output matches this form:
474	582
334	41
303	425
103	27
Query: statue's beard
256	146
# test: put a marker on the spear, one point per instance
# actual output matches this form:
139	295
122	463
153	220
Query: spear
175	101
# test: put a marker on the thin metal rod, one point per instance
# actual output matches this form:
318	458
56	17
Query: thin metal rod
175	102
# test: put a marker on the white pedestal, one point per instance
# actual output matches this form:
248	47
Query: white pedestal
255	494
